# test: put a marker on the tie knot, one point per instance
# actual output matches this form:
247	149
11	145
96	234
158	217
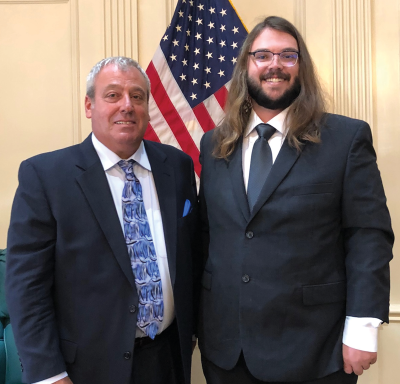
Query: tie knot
265	131
126	166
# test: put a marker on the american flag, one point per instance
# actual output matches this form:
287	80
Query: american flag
190	73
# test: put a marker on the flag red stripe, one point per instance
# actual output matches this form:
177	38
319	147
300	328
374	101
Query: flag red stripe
150	134
203	117
221	95
172	117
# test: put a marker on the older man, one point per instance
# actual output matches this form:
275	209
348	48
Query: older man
297	233
99	274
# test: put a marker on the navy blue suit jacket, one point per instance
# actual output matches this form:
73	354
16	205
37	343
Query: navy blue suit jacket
279	280
70	287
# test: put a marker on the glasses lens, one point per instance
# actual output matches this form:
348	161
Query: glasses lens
288	58
263	56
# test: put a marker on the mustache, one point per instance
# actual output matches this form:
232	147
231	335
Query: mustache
275	73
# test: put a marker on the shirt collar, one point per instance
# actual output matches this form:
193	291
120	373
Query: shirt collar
278	122
108	158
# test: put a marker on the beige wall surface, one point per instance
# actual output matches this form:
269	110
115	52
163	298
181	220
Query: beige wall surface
48	46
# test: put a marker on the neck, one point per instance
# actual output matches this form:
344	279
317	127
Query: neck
265	114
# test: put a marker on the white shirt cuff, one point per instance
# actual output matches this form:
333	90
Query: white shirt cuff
361	333
53	379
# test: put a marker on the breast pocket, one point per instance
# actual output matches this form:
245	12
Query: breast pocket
313	189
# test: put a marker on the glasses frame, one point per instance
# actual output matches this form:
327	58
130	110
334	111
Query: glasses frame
273	54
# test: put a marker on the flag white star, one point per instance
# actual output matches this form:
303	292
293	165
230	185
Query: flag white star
180	14
184	62
183	77
176	43
191	3
165	37
223	28
183	1
235	30
207	84
221	73
201	7
223	12
212	10
198	36
193	96
221	58
173	57
190	17
207	69
186	47
188	32
178	28
210	40
197	51
199	21
234	45
211	25
222	43
196	66
234	60
194	81
209	55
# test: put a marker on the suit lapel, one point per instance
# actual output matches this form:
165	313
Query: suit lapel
94	184
164	179
236	175
284	162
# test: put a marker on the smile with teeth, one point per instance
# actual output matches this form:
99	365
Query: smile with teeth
274	80
124	122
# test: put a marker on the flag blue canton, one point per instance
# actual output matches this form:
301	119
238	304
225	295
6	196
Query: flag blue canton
201	46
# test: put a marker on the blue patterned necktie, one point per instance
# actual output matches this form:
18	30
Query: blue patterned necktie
142	253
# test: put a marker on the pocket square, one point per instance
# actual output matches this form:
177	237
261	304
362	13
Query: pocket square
187	208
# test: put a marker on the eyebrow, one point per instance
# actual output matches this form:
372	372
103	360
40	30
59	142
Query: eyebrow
283	50
136	88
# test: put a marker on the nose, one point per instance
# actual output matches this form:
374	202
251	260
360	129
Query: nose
276	62
126	104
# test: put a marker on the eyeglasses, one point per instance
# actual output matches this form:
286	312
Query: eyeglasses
286	58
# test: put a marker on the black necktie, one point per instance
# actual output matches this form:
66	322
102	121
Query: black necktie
261	163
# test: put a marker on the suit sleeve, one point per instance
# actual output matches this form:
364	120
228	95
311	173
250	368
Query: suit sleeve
29	280
368	235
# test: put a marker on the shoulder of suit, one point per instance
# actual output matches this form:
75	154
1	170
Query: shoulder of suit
62	157
56	155
333	120
342	125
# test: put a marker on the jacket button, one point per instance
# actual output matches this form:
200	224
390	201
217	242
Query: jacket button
245	278
249	234
127	355
132	308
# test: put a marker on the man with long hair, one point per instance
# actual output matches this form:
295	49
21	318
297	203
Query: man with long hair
297	235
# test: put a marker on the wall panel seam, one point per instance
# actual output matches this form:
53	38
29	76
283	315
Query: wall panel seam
75	73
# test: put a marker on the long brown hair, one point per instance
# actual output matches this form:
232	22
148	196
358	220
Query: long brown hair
305	114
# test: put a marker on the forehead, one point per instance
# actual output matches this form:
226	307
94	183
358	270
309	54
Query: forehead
112	75
274	41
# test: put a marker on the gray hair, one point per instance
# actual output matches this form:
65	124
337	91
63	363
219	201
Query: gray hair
123	64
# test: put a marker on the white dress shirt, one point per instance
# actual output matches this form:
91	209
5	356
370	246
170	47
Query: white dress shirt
116	180
359	332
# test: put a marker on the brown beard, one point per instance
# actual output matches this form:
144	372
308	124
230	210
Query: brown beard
262	99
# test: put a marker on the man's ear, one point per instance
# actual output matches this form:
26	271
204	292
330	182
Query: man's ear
88	106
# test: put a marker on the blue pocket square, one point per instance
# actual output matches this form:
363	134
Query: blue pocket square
187	208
